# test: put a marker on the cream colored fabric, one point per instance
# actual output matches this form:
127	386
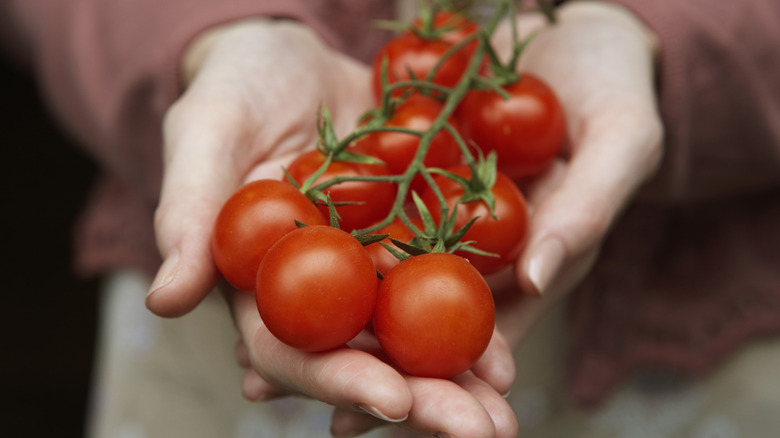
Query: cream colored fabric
159	378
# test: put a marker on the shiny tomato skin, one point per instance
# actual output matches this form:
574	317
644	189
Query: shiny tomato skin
316	288
251	220
410	52
526	131
434	315
458	27
384	261
373	199
397	149
504	236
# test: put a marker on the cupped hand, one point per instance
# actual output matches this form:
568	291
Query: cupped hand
368	393
253	93
599	59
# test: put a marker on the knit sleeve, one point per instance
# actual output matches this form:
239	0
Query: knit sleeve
719	89
109	69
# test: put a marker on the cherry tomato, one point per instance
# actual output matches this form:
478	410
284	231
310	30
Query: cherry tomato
383	259
504	236
373	199
251	220
434	315
526	130
454	28
458	26
316	288
397	149
409	52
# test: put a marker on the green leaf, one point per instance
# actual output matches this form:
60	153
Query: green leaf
425	214
400	255
410	249
368	239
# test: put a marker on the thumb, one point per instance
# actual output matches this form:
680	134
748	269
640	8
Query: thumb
199	174
575	204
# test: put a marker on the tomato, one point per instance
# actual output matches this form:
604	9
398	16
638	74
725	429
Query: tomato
526	130
251	220
504	236
383	259
373	199
397	149
457	26
453	27
316	288
409	52
434	315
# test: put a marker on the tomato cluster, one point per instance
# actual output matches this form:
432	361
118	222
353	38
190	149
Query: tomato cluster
395	226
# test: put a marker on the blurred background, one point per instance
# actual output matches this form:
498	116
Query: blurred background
48	315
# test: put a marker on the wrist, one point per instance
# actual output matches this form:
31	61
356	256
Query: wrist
196	53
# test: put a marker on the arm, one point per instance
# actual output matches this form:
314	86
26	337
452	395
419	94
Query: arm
657	104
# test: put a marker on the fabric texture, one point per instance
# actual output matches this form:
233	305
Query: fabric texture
679	284
683	284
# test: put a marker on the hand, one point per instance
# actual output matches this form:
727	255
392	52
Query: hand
254	89
253	92
358	382
600	61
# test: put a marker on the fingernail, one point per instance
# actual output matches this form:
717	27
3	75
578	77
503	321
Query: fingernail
378	414
545	259
166	273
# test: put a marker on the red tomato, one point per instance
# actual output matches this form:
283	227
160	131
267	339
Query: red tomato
526	130
251	220
504	236
316	288
383	259
397	149
410	52
457	27
375	198
434	315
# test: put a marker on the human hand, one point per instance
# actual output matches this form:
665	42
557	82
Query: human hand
358	381
599	59
254	91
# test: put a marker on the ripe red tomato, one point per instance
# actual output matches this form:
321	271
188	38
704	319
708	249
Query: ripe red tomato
383	259
411	52
504	236
458	26
434	315
375	198
251	220
397	149
316	288
526	130
454	27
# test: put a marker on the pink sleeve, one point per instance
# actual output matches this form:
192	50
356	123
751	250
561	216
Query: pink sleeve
109	68
719	83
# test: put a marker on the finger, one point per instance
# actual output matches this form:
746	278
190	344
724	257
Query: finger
495	404
347	422
199	175
617	151
255	388
242	355
343	377
443	407
496	366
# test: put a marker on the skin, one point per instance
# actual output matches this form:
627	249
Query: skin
227	130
